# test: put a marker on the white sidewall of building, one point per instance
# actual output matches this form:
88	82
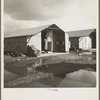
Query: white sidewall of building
36	41
67	44
85	42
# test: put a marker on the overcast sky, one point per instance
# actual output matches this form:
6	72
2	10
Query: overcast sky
67	14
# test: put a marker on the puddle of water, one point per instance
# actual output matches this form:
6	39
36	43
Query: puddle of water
30	79
50	81
82	76
23	70
55	78
79	78
8	76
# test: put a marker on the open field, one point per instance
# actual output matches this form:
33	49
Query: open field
66	70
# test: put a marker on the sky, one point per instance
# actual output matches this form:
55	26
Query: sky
67	14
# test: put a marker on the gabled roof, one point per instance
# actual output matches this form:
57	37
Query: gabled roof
30	31
80	33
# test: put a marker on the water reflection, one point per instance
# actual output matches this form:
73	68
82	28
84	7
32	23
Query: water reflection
31	67
83	76
55	75
8	76
28	68
80	78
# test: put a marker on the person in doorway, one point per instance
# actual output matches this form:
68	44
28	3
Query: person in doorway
46	45
74	47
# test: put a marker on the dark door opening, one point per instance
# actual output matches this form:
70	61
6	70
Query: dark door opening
58	41
49	46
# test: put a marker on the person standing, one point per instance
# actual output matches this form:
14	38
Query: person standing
46	45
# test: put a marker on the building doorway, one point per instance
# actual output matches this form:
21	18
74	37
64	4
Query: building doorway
47	35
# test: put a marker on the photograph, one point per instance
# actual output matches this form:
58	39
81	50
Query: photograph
50	43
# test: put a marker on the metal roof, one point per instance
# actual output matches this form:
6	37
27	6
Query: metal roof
80	33
29	32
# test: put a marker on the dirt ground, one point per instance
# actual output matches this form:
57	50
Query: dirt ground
35	69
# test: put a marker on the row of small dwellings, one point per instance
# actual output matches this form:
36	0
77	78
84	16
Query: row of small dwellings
48	38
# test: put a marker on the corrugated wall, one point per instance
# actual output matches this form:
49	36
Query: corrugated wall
15	44
93	38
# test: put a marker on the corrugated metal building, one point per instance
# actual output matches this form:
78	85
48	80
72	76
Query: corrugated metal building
83	39
58	40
